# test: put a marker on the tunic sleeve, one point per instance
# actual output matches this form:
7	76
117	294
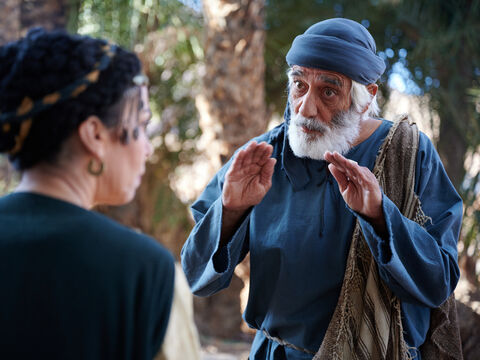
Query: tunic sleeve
419	264
207	267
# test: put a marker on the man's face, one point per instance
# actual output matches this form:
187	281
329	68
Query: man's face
322	118
319	94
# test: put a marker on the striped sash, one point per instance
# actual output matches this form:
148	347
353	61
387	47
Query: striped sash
367	323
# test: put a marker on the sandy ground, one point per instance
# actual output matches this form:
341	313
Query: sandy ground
216	349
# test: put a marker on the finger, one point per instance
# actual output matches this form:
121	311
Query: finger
331	158
268	149
239	161
328	156
249	153
242	157
366	178
259	150
340	176
250	149
361	175
350	167
343	161
369	180
267	153
267	172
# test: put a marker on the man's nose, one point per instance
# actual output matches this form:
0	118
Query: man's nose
308	106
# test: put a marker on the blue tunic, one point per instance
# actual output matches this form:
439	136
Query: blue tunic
299	236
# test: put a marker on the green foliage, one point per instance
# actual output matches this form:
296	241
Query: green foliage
128	22
167	36
471	216
442	41
436	43
470	194
8	178
286	19
426	37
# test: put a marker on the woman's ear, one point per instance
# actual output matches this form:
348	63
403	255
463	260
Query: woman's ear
94	136
372	89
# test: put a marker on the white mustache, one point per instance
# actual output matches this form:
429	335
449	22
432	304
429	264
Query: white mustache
310	124
338	135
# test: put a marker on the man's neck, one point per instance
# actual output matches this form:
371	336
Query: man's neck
367	128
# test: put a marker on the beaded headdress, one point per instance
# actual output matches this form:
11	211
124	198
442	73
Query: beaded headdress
28	108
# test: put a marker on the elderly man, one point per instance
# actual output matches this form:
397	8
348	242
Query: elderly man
344	263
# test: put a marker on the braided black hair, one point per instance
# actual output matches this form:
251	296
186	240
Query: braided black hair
43	63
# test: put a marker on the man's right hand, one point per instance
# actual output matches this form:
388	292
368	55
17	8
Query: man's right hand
249	178
246	183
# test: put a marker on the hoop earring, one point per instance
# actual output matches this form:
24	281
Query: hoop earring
92	171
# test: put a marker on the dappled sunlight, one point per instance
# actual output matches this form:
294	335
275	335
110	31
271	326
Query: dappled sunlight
417	108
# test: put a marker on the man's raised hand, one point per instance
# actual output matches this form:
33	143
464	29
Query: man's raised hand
359	188
249	177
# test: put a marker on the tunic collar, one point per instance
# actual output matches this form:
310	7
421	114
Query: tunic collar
295	168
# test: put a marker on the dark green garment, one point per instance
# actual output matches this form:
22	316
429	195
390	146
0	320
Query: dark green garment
76	285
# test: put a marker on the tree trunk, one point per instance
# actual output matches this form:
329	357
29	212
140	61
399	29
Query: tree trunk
468	309
232	111
452	147
234	81
16	17
455	138
455	117
50	14
9	20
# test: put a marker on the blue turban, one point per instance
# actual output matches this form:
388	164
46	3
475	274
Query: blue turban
339	45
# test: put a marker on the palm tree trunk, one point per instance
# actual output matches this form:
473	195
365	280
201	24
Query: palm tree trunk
10	20
16	17
50	14
232	111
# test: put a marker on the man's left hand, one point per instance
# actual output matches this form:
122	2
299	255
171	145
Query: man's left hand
359	188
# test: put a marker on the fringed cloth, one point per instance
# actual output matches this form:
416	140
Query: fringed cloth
367	322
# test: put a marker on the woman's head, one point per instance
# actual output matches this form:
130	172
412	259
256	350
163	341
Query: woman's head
124	151
45	63
53	84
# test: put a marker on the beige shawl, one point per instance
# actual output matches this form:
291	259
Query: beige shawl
367	322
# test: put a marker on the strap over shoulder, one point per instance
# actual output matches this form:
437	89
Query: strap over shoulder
395	170
367	321
395	164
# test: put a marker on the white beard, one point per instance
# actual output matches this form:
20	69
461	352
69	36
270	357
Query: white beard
338	136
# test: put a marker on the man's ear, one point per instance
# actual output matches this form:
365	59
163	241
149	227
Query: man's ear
94	136
372	89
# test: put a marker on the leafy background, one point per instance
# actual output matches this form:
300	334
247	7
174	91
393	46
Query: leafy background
431	49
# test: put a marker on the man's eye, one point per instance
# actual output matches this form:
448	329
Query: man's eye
329	92
299	85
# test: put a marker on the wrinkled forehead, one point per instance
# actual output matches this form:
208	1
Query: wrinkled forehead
320	76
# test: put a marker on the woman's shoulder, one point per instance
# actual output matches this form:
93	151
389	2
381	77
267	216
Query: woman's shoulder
123	248
132	242
66	222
